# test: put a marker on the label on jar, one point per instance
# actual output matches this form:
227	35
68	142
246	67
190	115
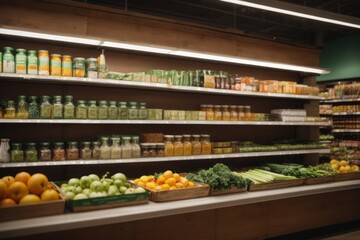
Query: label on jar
69	112
20	64
113	114
124	114
103	113
142	114
92	113
45	111
133	114
81	113
44	65
55	67
58	111
8	65
66	69
92	74
32	67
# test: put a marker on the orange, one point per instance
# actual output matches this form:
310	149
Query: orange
191	184
158	188
343	163
144	179
137	180
38	183
334	161
30	198
342	169
170	181
3	189
335	166
354	168
178	185
7	202
49	195
168	174
347	168
151	178
17	190
22	177
9	180
141	184
165	186
150	185
172	187
184	182
160	180
176	176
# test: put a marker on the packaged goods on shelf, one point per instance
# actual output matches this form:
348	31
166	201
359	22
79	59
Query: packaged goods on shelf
346	109
291	115
326	109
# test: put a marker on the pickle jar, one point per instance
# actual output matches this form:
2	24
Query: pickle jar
103	112
17	153
58	108
133	111
22	108
144	150
178	146
32	62
225	113
69	107
217	113
81	110
104	149
72	151
233	113
58	152
95	150
126	147
8	62
46	108
187	145
55	65
113	110
79	67
20	61
135	147
34	111
210	114
142	111
241	114
160	150
85	151
45	152
115	149
196	145
31	152
43	59
123	111
92	110
169	145
205	144
66	66
10	110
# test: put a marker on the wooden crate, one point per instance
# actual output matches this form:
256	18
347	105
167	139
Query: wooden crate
17	212
227	191
319	180
275	185
346	176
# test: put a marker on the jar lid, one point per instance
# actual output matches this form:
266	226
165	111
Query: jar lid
160	144
57	97
8	48
66	56
95	143
115	139
10	102
126	138
21	97
20	50
31	144
72	143
168	136
92	101
80	101
45	144
91	60
86	143
135	137
104	138
69	97
178	136
45	96
59	144
80	59
217	106
142	104
104	102
225	106
16	144
122	103
133	103
33	97
144	144
112	102
43	51
232	106
205	135
195	136
55	55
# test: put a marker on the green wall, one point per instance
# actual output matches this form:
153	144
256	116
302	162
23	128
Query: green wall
342	57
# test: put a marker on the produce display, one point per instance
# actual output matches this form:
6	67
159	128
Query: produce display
299	171
326	137
343	166
258	176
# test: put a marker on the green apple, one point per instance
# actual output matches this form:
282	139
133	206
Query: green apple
123	189
78	190
103	194
94	195
107	182
70	195
127	185
64	185
74	182
139	190
96	186
130	191
119	176
94	177
69	189
118	183
80	196
112	190
85	181
86	191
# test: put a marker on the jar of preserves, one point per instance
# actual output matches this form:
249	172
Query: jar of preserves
103	112
66	66
113	110
9	112
31	152
160	150
144	150
45	152
115	149
43	58
196	145
92	110
205	144
46	108
58	108
79	67
133	111
58	151
169	145
178	146
85	151
233	113
123	111
20	61
72	151
32	62
22	108
95	150
105	151
69	107
8	61
91	68
126	147
135	147
81	110
247	113
187	145
210	114
225	113
241	114
55	65
142	111
217	113
17	153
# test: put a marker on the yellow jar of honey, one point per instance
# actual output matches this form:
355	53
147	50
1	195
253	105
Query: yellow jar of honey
55	65
66	66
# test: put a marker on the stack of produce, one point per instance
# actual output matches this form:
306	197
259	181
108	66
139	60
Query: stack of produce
258	176
299	171
343	166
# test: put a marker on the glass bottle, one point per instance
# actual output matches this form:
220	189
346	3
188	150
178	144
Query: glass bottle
45	152
104	149
20	61
210	114
85	151
196	145
17	153
113	110
102	67
66	66
160	150
225	113
142	111
241	114
81	110
34	111
135	147
217	113
10	110
43	59
115	150
205	144
69	108
22	108
233	113
72	151
178	146
169	146
58	151
144	150
55	65
95	150
152	150
133	111
126	147
46	108
103	112
58	108
8	62
247	113
31	152
4	150
32	62
92	110
187	145
123	111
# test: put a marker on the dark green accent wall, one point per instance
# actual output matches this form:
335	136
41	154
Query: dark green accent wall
342	57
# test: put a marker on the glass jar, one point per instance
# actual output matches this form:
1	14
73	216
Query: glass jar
69	108
217	113
233	113
55	65
126	147
45	152
196	145
92	110
144	150
32	62
81	110
205	144
105	151
10	110
169	146
58	107
85	151
4	150
78	67
31	152
178	146
1	111
103	112
22	108
95	150
152	150
66	66
225	113
187	145
8	61
113	110
91	68
46	108
241	114
43	58
135	147
160	150
20	61
203	108
142	111
123	111
34	111
58	151
133	111
17	153
72	151
115	149
247	113
210	114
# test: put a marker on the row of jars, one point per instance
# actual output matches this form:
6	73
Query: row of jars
55	109
186	145
348	123
107	148
346	108
227	113
39	62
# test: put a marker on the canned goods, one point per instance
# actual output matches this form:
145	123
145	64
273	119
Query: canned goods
79	67
91	68
43	56
55	65
32	65
66	66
